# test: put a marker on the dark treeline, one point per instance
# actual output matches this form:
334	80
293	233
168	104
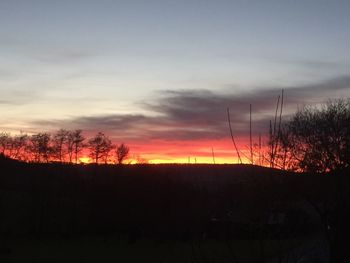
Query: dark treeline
62	146
314	139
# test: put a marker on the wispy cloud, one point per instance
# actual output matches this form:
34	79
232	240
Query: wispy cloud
192	115
19	97
311	63
6	102
64	56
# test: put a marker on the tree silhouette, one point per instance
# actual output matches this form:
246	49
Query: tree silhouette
40	147
107	148
318	139
5	139
19	143
62	145
59	141
122	153
77	143
99	146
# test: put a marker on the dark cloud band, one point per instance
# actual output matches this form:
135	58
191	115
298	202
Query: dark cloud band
201	114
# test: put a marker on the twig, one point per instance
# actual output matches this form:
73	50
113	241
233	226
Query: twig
212	152
279	132
260	163
233	140
271	144
274	134
250	134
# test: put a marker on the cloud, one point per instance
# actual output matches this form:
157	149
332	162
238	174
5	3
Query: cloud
59	56
311	63
6	102
194	115
339	83
19	97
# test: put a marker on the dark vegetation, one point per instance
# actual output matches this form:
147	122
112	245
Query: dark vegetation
314	139
63	146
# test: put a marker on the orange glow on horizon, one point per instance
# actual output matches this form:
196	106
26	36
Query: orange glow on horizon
194	152
85	159
180	151
195	160
165	160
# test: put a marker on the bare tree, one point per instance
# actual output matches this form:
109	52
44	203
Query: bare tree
140	160
59	141
122	153
318	139
5	141
77	142
19	143
62	145
40	147
100	147
70	146
107	149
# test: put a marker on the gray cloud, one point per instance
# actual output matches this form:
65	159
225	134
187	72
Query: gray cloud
18	96
311	63
59	56
55	54
6	102
201	114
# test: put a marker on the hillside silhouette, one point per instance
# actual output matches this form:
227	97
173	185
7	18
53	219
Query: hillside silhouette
172	203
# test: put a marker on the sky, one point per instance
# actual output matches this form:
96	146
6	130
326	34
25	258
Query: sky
159	75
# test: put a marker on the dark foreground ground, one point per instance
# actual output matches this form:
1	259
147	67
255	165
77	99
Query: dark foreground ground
171	213
114	249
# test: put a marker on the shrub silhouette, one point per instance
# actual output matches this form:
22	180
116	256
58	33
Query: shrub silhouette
317	139
122	153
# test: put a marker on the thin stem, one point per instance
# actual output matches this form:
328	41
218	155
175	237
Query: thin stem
274	141
250	134
212	152
233	140
260	163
